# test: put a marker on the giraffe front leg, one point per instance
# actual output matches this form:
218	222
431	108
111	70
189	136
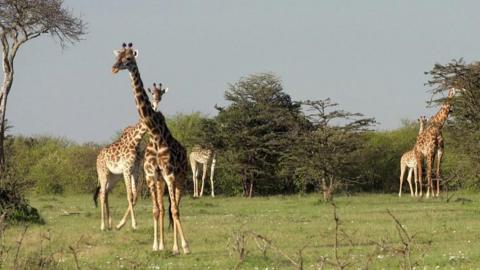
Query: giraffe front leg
419	174
174	192
409	180
415	176
402	173
429	175
204	175
102	209
107	211
211	177
160	191
438	171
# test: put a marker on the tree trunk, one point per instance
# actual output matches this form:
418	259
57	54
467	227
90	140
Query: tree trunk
6	85
244	184
250	189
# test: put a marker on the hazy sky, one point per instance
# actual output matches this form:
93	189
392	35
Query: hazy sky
370	56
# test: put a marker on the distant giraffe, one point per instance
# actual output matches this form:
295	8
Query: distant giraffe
157	94
121	158
409	161
204	156
165	155
430	142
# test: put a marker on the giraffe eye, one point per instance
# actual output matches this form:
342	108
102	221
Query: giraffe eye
128	59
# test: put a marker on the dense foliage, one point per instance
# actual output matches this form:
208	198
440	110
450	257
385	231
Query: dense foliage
268	143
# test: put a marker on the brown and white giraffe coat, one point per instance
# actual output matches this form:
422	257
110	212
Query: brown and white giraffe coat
430	143
165	156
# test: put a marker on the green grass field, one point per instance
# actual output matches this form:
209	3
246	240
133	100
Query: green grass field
446	235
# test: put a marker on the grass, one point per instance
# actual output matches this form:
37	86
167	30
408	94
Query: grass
446	235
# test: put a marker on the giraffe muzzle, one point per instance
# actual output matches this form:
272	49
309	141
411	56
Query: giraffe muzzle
115	70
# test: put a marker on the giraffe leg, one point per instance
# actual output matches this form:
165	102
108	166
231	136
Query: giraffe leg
173	192
160	191
107	211
438	167
211	177
127	175
415	176
402	173
429	174
409	180
193	164
419	174
204	174
151	179
178	196
103	184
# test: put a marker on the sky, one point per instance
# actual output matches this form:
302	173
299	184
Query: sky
369	56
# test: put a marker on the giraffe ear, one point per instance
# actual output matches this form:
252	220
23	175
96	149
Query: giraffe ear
135	53
165	90
116	52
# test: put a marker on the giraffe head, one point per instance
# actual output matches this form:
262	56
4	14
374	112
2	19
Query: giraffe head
453	91
157	93
125	58
422	120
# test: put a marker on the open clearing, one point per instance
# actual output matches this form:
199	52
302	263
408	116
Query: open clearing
445	234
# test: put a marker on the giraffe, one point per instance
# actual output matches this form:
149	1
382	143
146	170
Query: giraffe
119	158
122	157
203	156
157	94
409	160
430	142
165	157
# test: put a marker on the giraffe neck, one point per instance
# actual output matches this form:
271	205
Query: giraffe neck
441	116
154	121
144	107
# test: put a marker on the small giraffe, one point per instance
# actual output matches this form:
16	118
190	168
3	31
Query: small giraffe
165	156
157	94
203	156
120	157
409	161
430	142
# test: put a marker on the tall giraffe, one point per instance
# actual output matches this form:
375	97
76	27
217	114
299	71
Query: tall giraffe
204	156
165	156
408	160
430	142
121	158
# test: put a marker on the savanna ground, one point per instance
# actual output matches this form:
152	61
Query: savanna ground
444	234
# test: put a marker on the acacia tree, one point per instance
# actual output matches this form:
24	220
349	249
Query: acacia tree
24	20
465	123
325	156
255	128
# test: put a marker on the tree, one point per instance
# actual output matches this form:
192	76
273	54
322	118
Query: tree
325	156
255	128
24	20
465	120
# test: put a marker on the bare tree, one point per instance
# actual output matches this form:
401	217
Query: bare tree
24	20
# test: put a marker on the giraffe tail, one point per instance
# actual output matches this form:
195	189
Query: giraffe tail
95	195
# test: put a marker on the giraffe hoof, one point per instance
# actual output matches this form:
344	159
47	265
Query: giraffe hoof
186	250
155	247
175	252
